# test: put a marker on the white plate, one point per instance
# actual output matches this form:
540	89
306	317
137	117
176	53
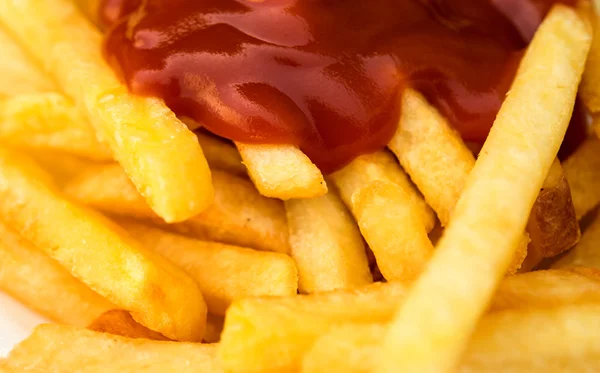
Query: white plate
16	323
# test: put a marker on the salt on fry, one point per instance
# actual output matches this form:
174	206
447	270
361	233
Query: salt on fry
326	245
99	253
432	328
282	171
43	285
161	156
238	215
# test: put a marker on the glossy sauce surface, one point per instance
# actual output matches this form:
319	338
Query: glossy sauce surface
325	75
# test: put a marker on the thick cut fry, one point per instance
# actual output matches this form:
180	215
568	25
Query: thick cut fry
391	214
99	253
432	329
282	171
266	335
587	251
159	153
551	340
238	214
120	322
224	273
552	226
221	155
43	285
49	121
326	245
583	173
61	349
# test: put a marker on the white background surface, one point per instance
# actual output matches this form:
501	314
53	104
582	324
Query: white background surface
16	323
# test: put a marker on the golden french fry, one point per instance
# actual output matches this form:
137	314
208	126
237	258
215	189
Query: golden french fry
99	253
552	226
551	340
389	212
221	155
432	328
61	349
49	121
587	251
237	216
282	171
62	166
120	322
326	245
160	154
271	334
589	90
223	273
583	173
43	285
214	328
19	75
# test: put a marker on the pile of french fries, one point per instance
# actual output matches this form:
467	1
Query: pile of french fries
154	246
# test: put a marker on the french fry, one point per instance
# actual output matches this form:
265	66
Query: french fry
97	252
49	121
391	214
221	155
431	330
120	322
550	340
62	166
60	349
214	328
583	173
589	90
238	215
552	226
161	156
587	251
269	335
43	285
19	75
282	171
326	245
223	273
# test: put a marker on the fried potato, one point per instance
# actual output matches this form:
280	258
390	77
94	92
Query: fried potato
589	90
61	349
326	245
551	340
99	253
587	251
266	335
391	214
221	155
19	74
431	329
43	285
161	156
237	216
120	322
62	166
224	273
49	121
583	173
282	171
552	226
214	328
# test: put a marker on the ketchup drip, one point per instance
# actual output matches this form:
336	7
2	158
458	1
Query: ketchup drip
325	75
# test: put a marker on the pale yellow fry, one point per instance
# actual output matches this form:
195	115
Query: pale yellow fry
43	285
62	349
587	251
224	273
390	213
326	245
583	173
49	121
553	340
267	335
282	171
161	156
239	215
19	74
63	167
221	155
431	330
99	253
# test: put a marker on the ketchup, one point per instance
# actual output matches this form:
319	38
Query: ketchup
324	75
